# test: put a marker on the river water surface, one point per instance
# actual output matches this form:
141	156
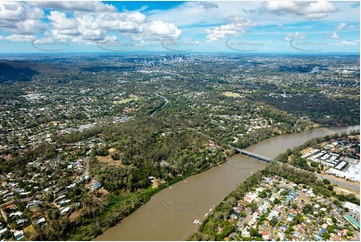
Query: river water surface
169	214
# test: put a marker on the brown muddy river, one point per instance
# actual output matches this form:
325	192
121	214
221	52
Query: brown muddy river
169	214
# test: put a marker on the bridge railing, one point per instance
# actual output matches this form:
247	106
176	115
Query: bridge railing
252	154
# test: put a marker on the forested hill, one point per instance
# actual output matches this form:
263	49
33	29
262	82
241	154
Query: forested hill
10	73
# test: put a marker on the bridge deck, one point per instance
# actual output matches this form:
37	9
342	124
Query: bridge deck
254	155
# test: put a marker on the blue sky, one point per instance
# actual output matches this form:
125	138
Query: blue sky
237	26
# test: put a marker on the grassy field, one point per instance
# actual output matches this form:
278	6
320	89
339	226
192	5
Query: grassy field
129	99
231	94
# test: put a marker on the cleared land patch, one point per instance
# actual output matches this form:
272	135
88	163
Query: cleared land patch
127	100
231	94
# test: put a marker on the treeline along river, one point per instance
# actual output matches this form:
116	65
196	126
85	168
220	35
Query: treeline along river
169	215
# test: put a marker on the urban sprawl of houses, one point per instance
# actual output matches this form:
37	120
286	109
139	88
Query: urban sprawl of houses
210	96
23	203
289	211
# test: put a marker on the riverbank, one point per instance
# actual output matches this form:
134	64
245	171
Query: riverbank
260	208
143	196
203	191
255	208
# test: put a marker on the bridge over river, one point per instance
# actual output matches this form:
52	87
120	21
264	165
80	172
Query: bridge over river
198	195
320	176
253	155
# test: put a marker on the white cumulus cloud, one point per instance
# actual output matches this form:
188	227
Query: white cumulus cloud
20	37
207	5
309	10
20	19
83	22
63	28
86	6
343	26
158	29
350	42
296	35
123	22
236	26
333	35
86	27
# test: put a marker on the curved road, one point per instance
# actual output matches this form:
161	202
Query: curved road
165	104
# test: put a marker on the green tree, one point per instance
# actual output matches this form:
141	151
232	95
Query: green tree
253	232
273	221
